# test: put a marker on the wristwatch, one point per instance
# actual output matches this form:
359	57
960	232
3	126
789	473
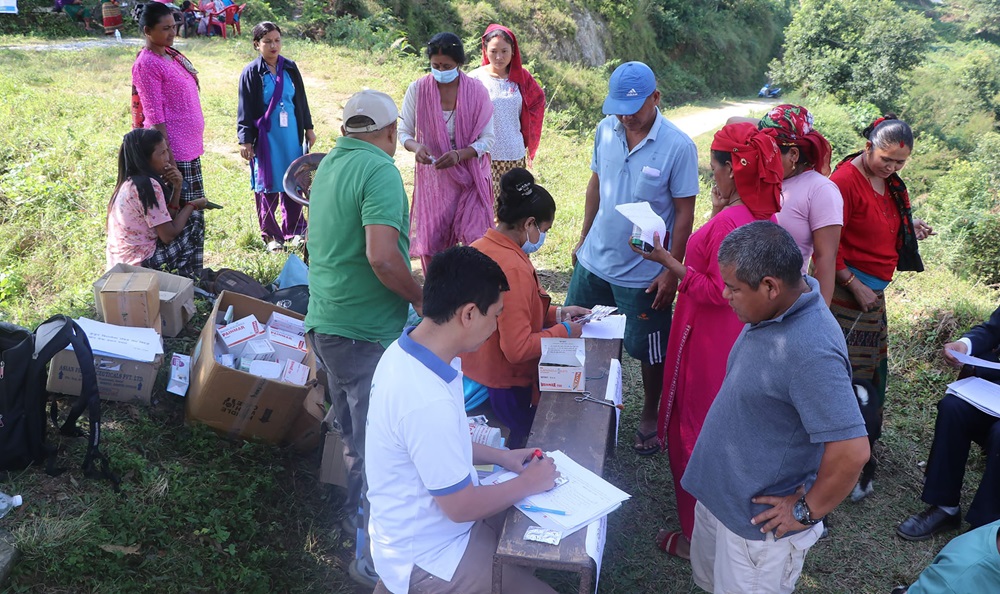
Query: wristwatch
802	514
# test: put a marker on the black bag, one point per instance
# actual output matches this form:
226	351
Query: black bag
235	281
295	298
24	357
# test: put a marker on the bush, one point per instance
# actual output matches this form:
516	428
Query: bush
45	24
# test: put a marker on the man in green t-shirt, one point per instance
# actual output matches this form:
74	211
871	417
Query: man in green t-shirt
359	280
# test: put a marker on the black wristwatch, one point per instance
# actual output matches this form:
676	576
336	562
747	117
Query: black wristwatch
802	514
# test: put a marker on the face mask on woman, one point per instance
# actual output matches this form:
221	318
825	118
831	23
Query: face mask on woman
528	247
444	76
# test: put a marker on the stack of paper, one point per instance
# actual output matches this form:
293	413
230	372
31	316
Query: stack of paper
979	393
134	344
584	498
611	327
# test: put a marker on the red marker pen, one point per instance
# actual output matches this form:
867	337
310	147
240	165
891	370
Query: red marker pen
537	454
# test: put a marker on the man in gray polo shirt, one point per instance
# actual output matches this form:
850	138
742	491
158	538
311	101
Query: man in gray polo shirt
784	440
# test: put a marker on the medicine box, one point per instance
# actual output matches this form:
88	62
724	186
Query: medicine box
561	366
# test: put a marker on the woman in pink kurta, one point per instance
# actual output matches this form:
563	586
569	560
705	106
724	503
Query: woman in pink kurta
747	168
447	122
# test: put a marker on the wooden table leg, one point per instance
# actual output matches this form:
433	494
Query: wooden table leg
587	580
497	575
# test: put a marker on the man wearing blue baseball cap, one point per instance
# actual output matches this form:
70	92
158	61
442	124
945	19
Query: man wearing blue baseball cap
638	157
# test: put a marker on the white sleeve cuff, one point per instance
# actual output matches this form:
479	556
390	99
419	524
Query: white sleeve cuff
967	343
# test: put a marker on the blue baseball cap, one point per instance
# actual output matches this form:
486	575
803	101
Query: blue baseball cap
628	88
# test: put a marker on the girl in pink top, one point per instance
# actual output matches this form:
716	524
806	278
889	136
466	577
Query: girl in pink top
141	229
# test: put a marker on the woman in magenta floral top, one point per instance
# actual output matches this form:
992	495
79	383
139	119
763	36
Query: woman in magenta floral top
165	98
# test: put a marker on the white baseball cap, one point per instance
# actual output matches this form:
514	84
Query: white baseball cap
373	104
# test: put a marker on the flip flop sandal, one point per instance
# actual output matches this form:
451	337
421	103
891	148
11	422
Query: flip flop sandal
644	450
670	542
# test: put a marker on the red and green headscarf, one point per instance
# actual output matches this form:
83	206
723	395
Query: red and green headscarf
792	125
757	170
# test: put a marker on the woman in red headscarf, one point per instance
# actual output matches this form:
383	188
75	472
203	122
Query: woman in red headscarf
518	102
746	165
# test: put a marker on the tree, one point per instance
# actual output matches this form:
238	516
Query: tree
856	50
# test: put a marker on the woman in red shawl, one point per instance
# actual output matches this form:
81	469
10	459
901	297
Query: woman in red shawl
746	165
518	102
447	122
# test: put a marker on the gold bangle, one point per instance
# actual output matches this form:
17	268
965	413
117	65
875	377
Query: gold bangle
848	281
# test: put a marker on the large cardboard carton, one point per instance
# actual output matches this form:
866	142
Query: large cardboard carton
131	299
561	367
234	402
333	468
307	430
176	297
118	379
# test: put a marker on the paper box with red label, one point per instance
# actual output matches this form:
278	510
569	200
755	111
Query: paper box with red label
235	336
289	324
287	346
561	367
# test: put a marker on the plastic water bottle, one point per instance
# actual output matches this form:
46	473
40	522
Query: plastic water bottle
118	36
8	503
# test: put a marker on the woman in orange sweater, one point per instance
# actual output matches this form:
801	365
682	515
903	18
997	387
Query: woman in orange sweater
507	364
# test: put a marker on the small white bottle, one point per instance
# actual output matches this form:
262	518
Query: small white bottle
118	36
8	503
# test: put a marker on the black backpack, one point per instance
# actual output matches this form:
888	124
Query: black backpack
24	357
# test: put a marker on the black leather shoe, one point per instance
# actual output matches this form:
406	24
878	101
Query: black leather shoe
927	523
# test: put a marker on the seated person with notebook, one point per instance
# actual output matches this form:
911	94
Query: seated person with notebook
433	527
958	425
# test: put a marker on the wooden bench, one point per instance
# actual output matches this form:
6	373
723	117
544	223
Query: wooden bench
584	431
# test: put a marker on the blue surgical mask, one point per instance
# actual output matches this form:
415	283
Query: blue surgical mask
444	76
530	248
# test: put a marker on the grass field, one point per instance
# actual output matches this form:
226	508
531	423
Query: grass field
198	514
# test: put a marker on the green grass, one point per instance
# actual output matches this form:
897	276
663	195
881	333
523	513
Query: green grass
200	514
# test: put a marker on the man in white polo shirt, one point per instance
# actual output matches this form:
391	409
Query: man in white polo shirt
433	528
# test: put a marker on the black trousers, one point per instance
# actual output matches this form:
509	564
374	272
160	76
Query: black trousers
958	425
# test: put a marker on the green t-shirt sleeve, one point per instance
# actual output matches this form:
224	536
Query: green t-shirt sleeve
384	199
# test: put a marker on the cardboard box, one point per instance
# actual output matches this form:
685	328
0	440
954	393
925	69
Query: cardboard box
307	430
561	367
176	297
235	336
118	379
287	346
333	469
280	321
131	299
234	402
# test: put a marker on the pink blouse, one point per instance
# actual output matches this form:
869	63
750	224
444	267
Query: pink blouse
169	96
131	230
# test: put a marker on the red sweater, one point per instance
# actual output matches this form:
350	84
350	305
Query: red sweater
871	225
510	356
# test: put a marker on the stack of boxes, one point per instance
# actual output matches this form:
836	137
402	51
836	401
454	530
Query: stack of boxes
274	350
130	298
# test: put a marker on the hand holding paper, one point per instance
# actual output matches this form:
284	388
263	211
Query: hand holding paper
642	216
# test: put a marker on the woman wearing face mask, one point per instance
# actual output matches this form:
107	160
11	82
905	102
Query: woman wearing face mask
518	102
746	166
879	237
507	364
447	122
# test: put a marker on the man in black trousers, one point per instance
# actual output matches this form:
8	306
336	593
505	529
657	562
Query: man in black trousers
958	425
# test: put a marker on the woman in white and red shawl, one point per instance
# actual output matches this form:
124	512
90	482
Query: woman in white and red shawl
518	102
447	122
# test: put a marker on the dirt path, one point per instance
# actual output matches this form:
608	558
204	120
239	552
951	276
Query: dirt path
710	118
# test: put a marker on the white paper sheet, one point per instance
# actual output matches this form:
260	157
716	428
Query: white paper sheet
978	392
974	361
585	497
641	214
123	342
597	535
614	391
611	327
